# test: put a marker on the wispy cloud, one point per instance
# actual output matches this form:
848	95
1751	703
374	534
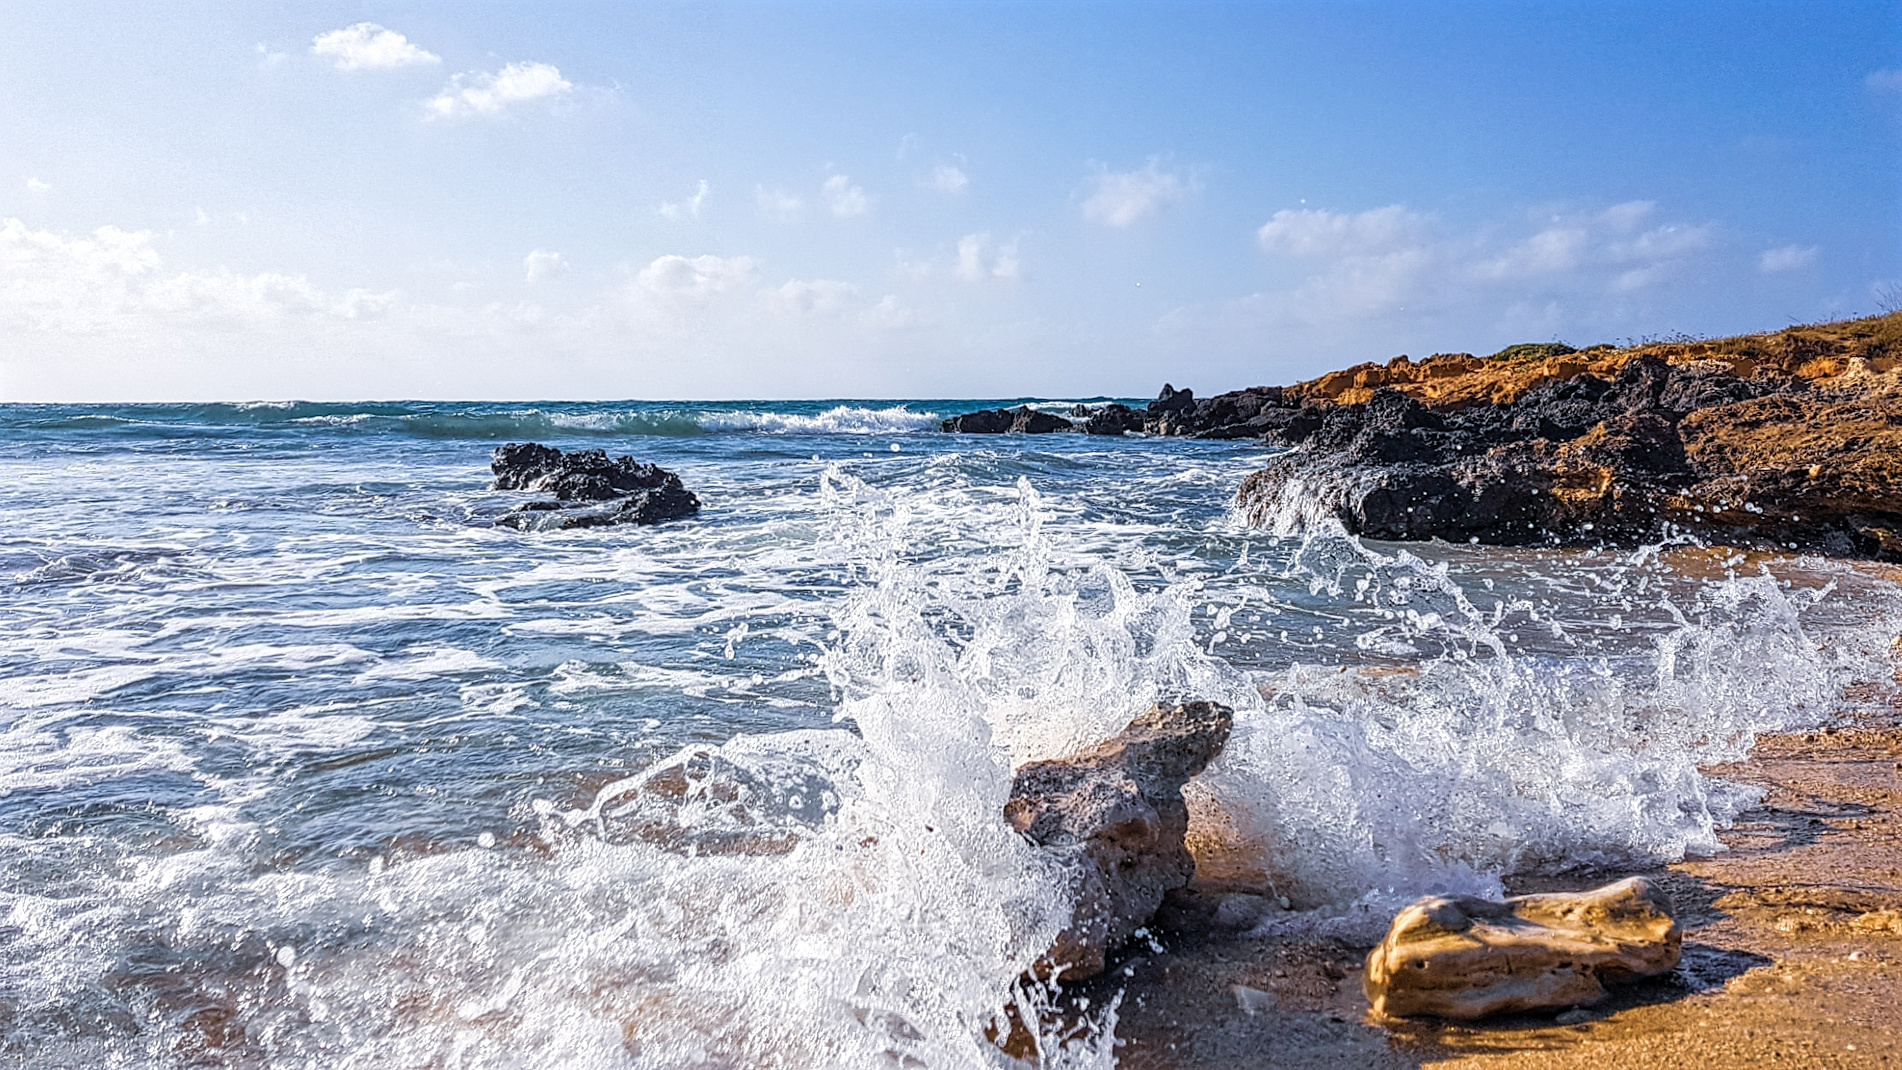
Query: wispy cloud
976	262
366	47
1787	258
1121	198
36	186
1888	80
481	94
698	276
1393	258
1308	232
115	280
777	202
689	208
844	198
818	297
945	179
543	264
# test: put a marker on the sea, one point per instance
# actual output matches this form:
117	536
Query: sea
305	763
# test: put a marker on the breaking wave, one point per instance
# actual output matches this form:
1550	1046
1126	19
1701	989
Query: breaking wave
731	794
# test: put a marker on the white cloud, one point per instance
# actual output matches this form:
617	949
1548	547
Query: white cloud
1393	259
698	276
689	208
1122	198
777	202
946	179
890	314
844	198
820	297
1628	216
490	94
1557	249
1787	258
1308	232
365	47
1888	80
34	185
971	257
971	266
115	280
267	56
543	264
1670	242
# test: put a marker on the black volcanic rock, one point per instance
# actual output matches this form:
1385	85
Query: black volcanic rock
1113	419
590	490
1022	419
1764	460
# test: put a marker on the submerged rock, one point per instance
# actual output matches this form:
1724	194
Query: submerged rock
1461	957
1115	815
590	490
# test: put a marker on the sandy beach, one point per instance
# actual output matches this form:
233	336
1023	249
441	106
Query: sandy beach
1793	950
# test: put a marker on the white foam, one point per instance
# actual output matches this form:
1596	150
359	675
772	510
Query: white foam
839	420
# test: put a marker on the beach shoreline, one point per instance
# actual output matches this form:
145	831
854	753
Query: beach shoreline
1793	949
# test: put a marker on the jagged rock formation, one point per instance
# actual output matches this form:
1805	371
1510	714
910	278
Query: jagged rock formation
1460	957
1115	815
1802	451
1022	419
589	489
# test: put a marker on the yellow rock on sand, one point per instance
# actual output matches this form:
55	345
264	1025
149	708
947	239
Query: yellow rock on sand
1461	957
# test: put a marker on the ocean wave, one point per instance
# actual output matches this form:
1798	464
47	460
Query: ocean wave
481	422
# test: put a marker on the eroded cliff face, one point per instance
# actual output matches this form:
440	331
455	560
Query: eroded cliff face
1792	440
1811	354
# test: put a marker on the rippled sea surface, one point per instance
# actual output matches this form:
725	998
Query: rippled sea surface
303	763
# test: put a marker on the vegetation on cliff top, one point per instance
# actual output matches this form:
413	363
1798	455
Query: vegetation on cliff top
1812	352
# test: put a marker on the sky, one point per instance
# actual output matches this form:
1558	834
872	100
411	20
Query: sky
348	201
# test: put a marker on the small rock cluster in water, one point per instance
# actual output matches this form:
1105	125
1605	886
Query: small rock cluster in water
590	490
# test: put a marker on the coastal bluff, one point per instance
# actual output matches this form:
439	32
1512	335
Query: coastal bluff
1790	440
1787	440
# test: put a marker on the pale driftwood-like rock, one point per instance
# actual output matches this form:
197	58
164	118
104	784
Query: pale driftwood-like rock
1115	815
1460	957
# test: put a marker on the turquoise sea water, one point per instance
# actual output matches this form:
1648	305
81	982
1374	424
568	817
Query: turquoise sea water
303	763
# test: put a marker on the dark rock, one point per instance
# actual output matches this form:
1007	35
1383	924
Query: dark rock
1113	419
1172	401
1116	817
1690	447
1030	421
981	422
590	490
1022	419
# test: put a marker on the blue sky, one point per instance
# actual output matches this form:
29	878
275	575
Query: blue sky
248	201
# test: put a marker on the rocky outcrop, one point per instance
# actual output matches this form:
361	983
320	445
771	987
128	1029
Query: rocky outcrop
1460	957
1115	816
1770	458
589	489
1023	419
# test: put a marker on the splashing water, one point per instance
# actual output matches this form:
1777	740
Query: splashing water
338	778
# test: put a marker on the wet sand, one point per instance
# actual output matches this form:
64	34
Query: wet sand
1793	951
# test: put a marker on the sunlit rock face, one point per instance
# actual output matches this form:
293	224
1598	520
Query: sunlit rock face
1115	815
1460	957
1619	447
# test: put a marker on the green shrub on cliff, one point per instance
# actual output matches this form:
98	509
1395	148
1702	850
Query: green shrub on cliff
1531	351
